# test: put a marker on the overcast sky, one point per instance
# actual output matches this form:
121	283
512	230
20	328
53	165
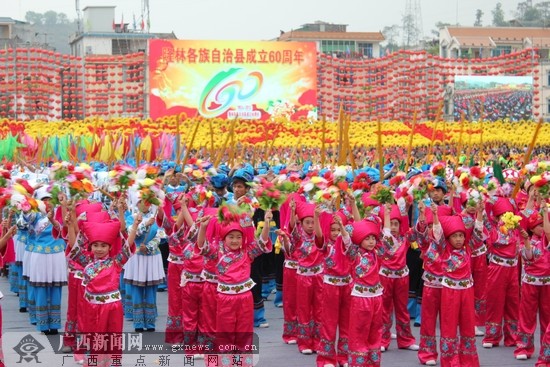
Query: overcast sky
262	19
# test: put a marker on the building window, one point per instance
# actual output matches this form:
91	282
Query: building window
130	103
132	73
501	50
338	48
365	49
344	76
548	106
101	73
102	105
548	78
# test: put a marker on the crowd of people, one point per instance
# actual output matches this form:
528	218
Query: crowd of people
418	247
493	105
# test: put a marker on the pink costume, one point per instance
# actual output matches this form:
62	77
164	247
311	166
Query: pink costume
394	275
174	325
431	293
535	292
75	275
234	323
102	312
309	282
290	325
191	286
502	291
336	296
365	332
457	298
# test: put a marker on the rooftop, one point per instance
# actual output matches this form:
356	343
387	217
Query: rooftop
490	36
357	36
123	35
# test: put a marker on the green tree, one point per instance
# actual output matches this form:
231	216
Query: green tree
526	12
391	34
33	17
479	16
498	16
62	18
50	17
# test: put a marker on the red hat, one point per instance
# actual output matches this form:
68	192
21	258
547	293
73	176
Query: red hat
501	206
442	211
364	228
107	232
452	224
327	220
534	220
203	212
395	213
226	228
304	210
284	210
88	208
97	217
368	201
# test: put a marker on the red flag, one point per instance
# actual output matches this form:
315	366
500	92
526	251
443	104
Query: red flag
122	21
142	24
114	25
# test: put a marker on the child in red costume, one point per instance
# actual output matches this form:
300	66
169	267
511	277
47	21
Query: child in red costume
457	294
103	309
366	295
336	286
309	276
502	290
433	278
234	252
535	287
394	275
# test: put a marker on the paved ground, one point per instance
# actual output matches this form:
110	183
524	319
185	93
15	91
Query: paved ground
273	352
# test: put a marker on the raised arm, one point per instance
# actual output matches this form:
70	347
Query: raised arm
387	216
285	240
201	237
184	216
292	222
133	230
267	226
317	224
353	205
527	248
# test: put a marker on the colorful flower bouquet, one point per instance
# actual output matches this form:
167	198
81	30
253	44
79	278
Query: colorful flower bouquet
438	169
542	183
361	182
509	221
228	213
202	196
382	194
121	178
268	194
148	186
75	181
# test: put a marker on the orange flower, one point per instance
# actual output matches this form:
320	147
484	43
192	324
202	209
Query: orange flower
33	203
88	187
77	185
